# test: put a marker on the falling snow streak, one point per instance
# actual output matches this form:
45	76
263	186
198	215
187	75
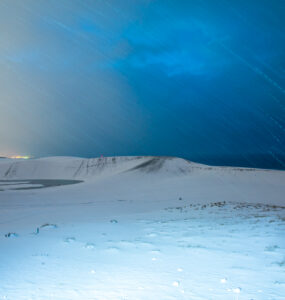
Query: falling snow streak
254	68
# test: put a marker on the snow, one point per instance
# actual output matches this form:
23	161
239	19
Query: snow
141	228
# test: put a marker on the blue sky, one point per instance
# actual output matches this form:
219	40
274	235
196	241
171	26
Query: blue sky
203	79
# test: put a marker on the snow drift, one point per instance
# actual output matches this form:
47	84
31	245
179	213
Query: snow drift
83	168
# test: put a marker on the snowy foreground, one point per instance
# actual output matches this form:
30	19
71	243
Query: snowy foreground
145	228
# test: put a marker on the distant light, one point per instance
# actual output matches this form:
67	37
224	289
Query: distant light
20	157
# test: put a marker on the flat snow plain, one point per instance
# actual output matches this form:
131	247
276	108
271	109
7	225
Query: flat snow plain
146	228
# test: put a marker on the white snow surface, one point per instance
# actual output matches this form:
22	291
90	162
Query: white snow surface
141	228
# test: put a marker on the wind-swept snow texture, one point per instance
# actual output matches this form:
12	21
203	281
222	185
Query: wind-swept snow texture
140	228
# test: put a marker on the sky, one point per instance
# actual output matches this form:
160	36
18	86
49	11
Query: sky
202	80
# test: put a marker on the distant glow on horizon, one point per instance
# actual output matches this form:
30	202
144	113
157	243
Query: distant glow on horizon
20	157
15	156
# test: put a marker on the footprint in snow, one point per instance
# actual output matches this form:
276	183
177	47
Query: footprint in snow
155	252
176	283
112	250
151	235
48	226
127	244
223	280
69	240
235	290
11	235
144	244
89	246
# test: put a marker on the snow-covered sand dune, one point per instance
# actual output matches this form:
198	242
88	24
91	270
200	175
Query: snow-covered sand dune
82	168
140	228
148	177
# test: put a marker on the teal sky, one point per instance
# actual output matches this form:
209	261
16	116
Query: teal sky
203	79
